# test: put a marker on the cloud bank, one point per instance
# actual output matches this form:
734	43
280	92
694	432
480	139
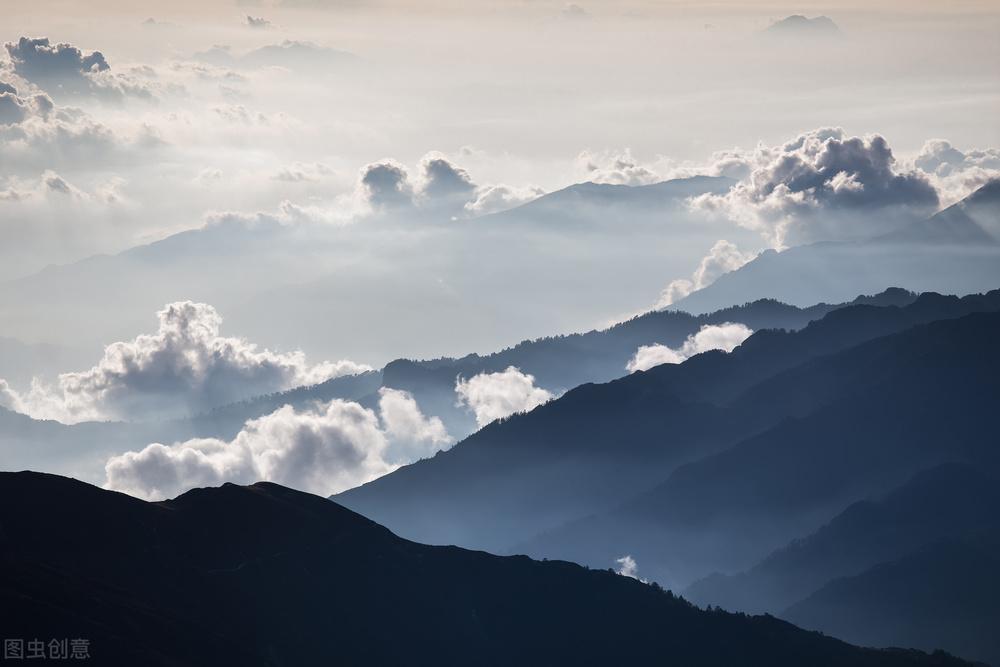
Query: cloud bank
324	450
824	185
185	367
725	337
493	396
440	187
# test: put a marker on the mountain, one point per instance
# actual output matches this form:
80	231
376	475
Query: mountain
557	362
605	203
957	251
798	25
944	594
880	412
947	501
385	286
263	575
601	444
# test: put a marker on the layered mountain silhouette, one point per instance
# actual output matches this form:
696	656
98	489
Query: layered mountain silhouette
362	292
956	251
943	594
263	575
557	362
601	444
933	522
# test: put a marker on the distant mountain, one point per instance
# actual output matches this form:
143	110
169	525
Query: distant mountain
406	289
942	595
946	501
600	445
606	203
879	413
557	362
263	575
797	24
957	251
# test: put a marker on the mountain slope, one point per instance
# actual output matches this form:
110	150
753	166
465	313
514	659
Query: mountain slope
599	445
909	401
957	251
557	362
946	501
263	575
942	595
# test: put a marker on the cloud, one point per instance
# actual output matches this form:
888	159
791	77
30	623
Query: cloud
444	180
64	69
289	54
386	184
824	185
574	12
627	567
496	198
616	168
722	258
492	396
325	449
725	337
957	174
441	187
185	367
411	435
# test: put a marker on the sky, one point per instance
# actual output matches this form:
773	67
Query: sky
525	94
337	184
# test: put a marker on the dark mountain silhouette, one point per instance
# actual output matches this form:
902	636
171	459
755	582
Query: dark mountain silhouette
263	575
599	445
943	594
946	501
906	402
957	251
563	362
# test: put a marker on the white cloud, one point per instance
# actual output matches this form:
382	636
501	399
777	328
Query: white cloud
64	69
492	396
185	366
956	174
327	449
722	258
496	198
726	337
441	187
627	567
824	185
617	168
411	435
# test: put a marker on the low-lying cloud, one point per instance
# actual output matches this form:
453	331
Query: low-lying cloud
722	258
493	396
185	367
725	337
324	450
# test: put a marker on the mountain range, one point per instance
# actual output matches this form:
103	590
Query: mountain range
263	575
711	465
956	251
